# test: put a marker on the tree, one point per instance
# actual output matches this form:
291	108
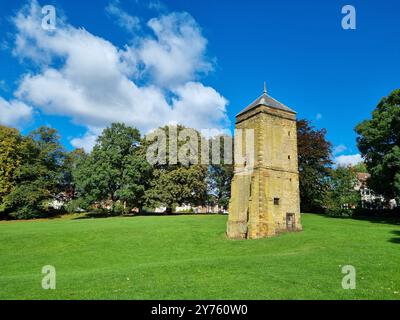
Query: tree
10	160
49	161
220	174
314	153
115	170
219	183
38	178
361	167
341	198
379	143
178	186
72	160
179	177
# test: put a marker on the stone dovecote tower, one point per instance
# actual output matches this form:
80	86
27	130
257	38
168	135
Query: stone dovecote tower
265	199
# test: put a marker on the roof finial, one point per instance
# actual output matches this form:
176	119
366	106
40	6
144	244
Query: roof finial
265	87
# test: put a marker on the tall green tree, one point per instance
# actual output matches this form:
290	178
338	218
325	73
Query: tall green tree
341	198
314	157
72	160
379	143
115	170
219	184
178	186
11	144
178	177
39	177
220	173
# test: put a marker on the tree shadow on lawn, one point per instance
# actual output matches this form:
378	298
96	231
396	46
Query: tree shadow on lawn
100	215
375	219
397	238
96	215
395	220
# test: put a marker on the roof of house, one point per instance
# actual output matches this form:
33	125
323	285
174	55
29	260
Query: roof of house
268	101
361	176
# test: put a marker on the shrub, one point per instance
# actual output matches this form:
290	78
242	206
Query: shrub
119	208
77	205
341	198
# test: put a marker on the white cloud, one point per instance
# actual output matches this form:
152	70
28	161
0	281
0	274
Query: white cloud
3	85
126	21
14	112
195	103
86	142
177	53
95	83
348	160
339	149
156	5
4	45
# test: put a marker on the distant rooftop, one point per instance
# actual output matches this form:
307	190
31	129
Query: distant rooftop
268	101
361	176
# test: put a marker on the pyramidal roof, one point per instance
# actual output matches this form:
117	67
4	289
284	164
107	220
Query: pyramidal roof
268	101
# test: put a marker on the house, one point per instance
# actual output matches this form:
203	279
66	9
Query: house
369	199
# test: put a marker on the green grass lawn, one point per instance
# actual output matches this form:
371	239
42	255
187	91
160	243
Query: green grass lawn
188	257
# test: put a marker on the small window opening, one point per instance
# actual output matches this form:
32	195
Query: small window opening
288	157
276	201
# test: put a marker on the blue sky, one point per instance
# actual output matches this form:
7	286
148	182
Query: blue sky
195	62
